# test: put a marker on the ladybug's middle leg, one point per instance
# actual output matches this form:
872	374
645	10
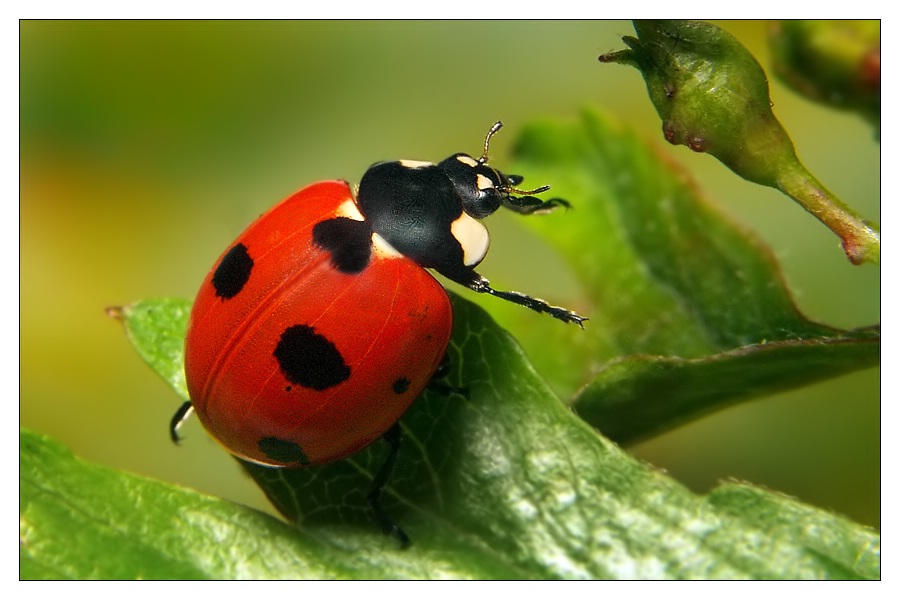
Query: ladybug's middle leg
393	437
468	277
438	385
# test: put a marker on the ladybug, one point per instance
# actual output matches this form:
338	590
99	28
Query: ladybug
318	327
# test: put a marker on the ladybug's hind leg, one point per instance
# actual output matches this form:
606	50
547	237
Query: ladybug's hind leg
393	437
181	415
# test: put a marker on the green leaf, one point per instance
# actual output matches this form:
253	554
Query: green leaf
506	484
156	328
690	312
639	396
83	521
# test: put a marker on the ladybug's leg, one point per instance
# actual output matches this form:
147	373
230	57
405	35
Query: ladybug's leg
392	436
529	205
472	280
563	314
178	419
441	387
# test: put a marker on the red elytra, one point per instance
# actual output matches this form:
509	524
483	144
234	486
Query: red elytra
298	363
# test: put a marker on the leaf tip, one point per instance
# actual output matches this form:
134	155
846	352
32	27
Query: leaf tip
115	312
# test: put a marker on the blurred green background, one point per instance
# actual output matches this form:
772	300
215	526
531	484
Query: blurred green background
146	147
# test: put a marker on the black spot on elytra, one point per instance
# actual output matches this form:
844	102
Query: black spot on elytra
233	272
282	450
348	241
310	359
401	385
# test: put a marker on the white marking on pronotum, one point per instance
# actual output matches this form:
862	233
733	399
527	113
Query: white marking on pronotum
349	210
383	249
484	183
467	160
415	164
473	237
380	245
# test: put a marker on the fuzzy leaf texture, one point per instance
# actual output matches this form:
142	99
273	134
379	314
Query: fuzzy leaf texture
506	484
690	313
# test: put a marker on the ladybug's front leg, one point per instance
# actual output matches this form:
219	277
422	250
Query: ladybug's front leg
531	205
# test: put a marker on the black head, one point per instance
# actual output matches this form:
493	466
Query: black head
482	188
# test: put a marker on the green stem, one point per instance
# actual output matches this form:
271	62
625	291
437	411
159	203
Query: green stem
860	239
